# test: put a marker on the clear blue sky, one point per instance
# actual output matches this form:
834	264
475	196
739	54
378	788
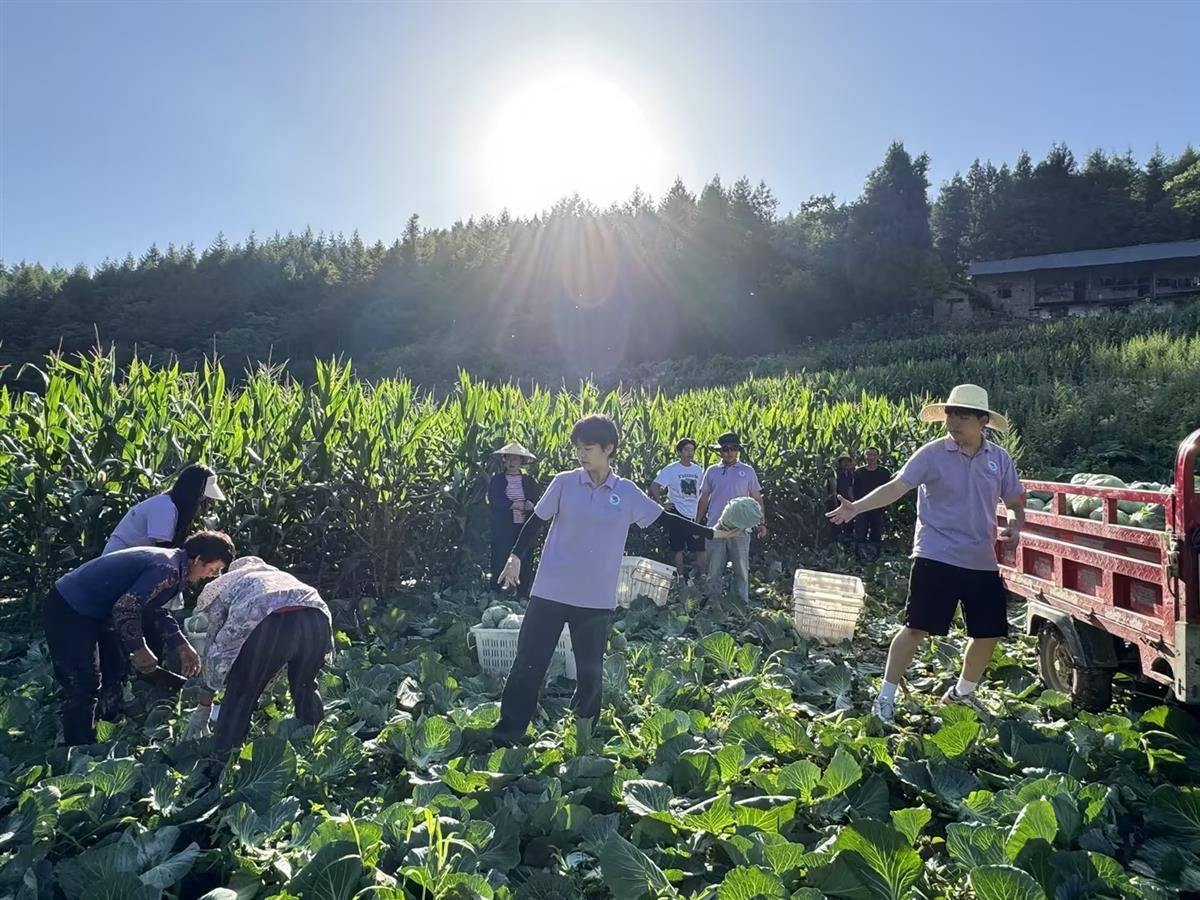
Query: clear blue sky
124	125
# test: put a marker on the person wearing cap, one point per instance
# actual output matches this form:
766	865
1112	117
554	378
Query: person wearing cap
841	484
679	482
260	620
589	510
724	481
164	520
960	480
106	601
511	498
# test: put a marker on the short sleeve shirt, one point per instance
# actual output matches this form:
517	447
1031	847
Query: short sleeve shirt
148	523
589	523
725	483
683	486
957	496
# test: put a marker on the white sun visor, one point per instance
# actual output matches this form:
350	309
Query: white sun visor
211	490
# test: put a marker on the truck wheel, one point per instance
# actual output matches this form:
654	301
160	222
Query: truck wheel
1088	688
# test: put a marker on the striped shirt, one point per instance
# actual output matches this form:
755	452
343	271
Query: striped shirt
515	492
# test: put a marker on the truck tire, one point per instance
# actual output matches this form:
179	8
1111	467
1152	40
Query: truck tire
1088	688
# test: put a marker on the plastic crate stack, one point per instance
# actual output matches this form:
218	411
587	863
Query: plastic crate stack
826	605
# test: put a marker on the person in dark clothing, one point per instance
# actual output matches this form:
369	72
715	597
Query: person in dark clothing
164	520
841	484
105	603
511	498
589	510
868	527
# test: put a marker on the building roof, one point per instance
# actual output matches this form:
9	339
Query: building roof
1085	258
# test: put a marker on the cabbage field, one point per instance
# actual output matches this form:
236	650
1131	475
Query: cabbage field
733	760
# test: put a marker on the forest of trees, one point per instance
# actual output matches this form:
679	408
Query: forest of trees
580	290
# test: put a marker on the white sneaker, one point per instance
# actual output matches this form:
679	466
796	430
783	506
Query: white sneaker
884	709
970	701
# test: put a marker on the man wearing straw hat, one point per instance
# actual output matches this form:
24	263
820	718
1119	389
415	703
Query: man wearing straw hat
960	479
511	496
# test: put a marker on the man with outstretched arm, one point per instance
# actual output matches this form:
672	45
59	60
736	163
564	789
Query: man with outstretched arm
960	479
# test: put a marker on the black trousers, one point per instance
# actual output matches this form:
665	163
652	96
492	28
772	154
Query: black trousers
114	662
869	526
543	623
298	639
503	538
88	660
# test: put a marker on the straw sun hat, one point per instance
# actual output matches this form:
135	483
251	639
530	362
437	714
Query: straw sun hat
965	396
515	449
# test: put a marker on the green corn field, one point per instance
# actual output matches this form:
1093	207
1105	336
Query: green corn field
363	485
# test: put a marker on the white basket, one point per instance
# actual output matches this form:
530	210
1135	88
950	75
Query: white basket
497	648
641	576
826	605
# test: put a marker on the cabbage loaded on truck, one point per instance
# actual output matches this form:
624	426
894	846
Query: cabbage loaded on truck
1110	578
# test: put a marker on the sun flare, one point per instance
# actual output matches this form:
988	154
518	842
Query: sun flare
570	133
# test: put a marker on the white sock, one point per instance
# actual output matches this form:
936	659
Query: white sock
888	690
964	687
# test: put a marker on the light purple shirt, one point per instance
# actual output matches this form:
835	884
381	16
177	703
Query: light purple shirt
957	496
725	483
581	560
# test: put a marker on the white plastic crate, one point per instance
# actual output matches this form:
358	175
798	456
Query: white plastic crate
826	605
641	576
497	648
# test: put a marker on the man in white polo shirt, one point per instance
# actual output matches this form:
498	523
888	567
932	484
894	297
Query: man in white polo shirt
680	481
960	480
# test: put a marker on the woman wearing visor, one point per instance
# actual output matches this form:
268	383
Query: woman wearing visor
164	520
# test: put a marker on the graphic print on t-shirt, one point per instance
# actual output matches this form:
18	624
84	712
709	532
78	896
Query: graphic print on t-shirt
688	486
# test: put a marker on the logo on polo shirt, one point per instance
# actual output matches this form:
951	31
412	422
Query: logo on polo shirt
992	467
741	473
614	500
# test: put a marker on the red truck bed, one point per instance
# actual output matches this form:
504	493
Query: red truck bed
1103	596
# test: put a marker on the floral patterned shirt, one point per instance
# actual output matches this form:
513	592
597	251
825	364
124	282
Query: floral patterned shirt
238	601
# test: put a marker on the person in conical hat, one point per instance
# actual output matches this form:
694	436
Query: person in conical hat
960	479
511	497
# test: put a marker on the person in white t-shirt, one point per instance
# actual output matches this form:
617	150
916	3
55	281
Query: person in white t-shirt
679	482
164	520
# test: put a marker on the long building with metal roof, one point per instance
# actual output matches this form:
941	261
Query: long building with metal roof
1082	282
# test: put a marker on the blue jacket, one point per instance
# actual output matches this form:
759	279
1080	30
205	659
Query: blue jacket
124	586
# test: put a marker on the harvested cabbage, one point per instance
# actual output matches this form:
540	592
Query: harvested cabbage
1152	515
493	615
739	514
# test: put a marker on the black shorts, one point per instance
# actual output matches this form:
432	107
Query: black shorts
682	538
935	589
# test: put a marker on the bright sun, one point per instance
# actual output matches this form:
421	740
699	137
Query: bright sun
571	133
